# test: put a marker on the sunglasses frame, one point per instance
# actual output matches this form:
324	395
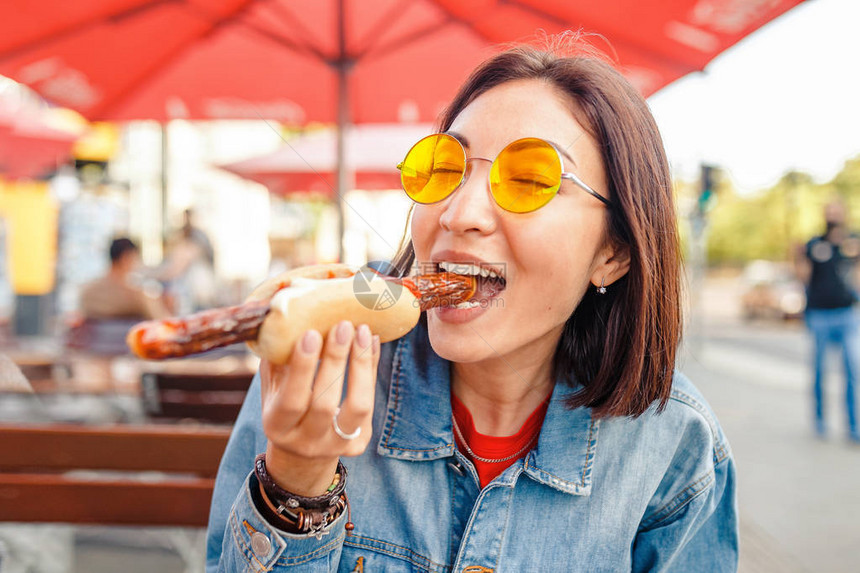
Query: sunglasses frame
466	171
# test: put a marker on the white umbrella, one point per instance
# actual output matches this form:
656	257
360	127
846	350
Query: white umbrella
309	163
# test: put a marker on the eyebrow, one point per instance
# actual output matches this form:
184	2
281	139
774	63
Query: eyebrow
459	137
462	139
561	150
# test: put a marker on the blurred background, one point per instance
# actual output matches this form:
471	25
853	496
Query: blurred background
229	141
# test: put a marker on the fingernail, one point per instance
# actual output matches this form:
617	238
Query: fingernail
364	336
376	344
311	342
342	334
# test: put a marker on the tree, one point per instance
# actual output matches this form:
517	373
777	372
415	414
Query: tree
770	223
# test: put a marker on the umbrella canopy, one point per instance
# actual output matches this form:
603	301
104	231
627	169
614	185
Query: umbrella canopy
308	163
281	59
30	145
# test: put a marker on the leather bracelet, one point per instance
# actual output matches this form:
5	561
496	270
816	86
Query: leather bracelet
268	511
302	520
281	497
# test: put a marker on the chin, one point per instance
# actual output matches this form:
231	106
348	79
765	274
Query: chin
460	344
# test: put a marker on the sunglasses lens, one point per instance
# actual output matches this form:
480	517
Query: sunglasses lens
525	175
433	168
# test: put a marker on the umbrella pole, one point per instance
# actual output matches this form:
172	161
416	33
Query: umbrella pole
342	66
164	166
342	183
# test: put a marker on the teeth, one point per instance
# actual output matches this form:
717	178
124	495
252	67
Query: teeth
467	304
467	269
460	268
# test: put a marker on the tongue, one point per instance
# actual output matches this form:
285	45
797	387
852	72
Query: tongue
488	287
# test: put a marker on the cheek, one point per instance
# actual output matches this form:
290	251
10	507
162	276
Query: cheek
559	256
424	221
562	291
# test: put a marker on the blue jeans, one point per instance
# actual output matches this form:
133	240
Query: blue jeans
836	326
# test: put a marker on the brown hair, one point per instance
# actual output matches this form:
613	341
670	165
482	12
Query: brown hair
619	346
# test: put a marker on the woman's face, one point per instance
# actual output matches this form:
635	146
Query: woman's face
548	257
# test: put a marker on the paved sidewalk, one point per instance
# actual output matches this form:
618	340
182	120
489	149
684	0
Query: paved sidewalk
798	495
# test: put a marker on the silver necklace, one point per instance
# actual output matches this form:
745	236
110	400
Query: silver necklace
488	460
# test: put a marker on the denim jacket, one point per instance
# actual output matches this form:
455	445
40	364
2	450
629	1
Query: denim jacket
654	493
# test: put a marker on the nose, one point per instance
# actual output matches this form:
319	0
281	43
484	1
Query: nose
471	207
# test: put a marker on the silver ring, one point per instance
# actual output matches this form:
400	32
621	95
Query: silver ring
341	433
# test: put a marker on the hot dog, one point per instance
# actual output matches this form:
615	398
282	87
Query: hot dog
317	297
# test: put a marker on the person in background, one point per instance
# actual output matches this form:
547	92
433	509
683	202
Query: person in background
197	236
113	296
826	266
189	269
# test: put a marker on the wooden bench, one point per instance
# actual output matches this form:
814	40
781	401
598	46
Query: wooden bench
113	475
214	398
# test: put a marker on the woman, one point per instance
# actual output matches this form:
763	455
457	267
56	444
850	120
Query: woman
542	429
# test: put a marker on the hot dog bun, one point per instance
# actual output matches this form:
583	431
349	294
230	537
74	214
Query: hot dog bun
320	296
269	287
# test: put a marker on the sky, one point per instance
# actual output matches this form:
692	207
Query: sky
786	97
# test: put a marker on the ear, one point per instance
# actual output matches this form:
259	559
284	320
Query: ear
611	263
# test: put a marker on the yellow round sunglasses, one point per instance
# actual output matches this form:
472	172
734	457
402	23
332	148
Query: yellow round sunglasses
525	175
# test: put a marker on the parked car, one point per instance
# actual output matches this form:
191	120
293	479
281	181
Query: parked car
771	291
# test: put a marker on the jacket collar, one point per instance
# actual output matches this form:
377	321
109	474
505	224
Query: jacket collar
418	421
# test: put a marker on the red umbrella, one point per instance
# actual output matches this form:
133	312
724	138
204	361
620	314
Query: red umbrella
281	59
308	163
29	145
349	61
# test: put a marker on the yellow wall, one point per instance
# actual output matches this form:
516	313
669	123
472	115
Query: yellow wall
31	216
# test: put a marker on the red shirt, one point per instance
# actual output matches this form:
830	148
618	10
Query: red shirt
495	447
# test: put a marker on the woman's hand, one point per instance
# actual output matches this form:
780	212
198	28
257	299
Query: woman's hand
300	401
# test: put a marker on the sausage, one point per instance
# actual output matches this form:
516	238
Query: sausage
316	297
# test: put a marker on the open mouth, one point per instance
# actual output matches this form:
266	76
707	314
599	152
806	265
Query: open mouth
490	281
